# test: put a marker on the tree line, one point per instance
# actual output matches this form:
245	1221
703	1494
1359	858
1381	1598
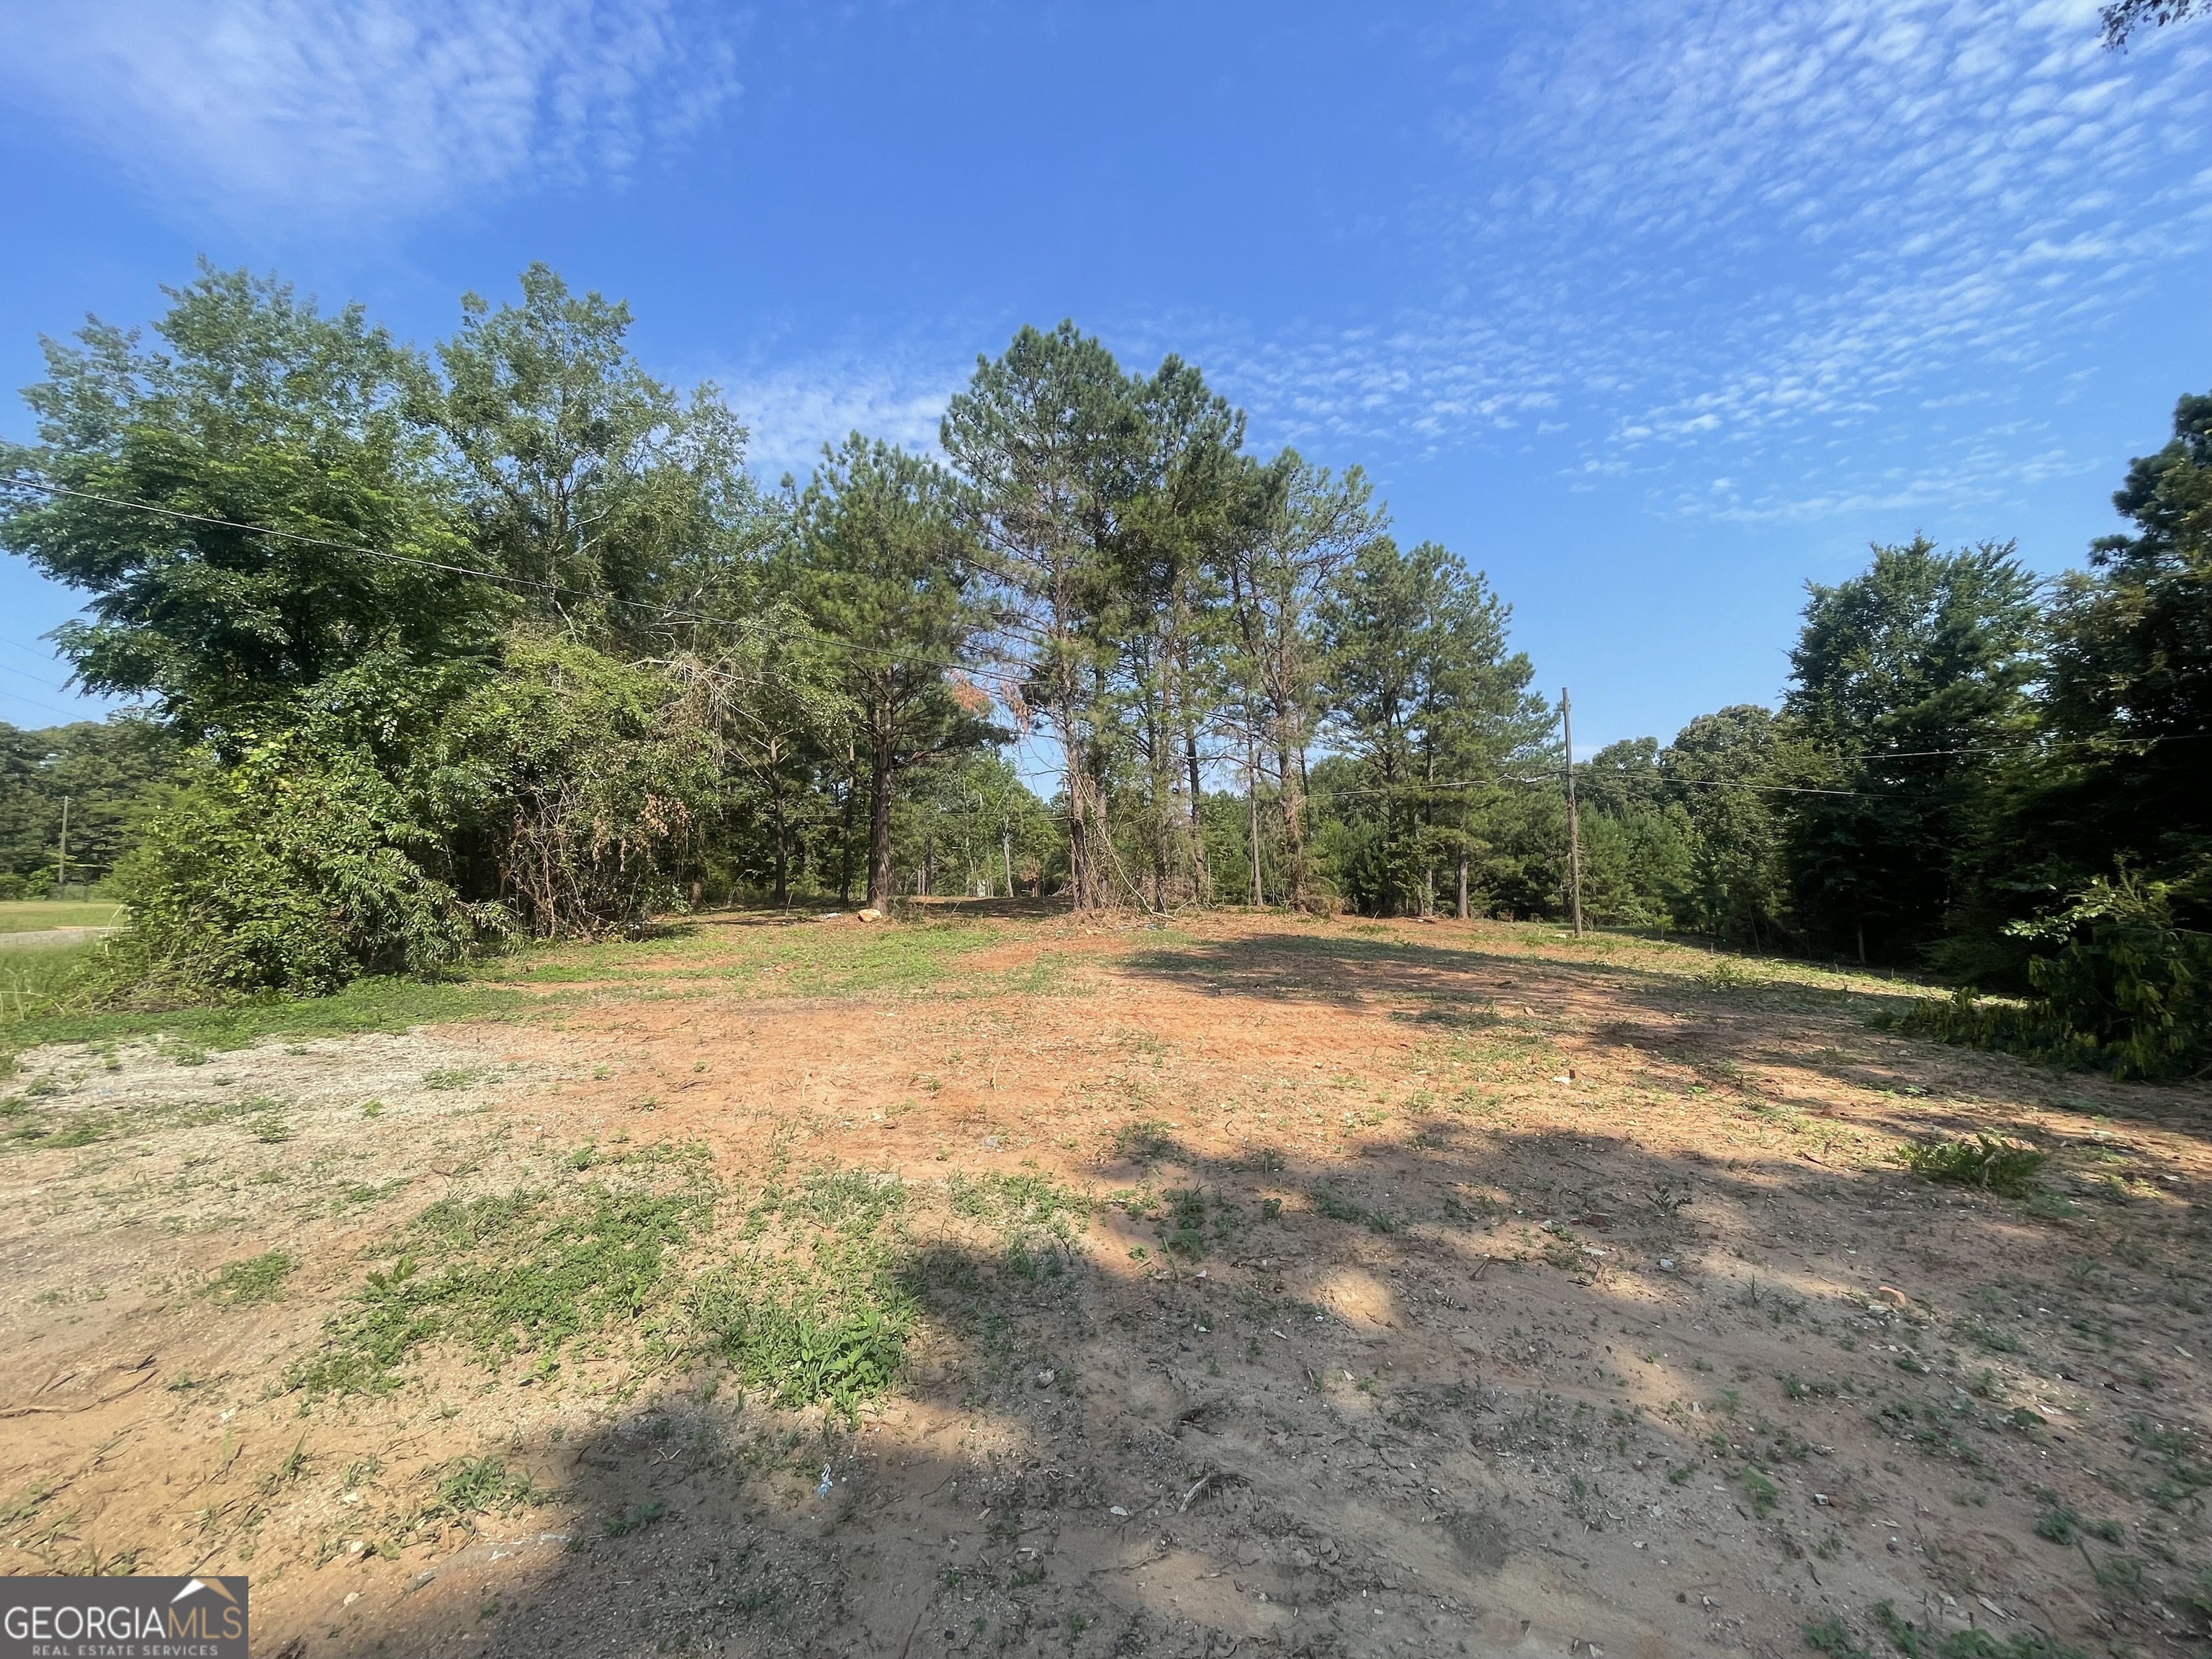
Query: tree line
433	649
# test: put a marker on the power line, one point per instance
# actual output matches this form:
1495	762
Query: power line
998	625
660	613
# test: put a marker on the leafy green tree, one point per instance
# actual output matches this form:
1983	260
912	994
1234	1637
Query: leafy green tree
1293	526
2130	697
975	825
1723	769
616	507
1425	691
257	410
1172	673
1050	441
1638	845
2124	18
1911	681
111	773
882	566
289	866
770	692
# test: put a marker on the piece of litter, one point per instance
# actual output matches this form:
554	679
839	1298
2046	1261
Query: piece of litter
1272	1331
823	1490
1563	1079
1667	1263
1822	1498
1117	1510
1046	1379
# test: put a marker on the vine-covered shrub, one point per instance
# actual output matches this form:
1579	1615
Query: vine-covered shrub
2118	985
292	871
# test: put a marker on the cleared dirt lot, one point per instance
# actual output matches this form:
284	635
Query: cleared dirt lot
1255	1286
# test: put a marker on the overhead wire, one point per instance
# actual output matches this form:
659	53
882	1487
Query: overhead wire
998	625
661	613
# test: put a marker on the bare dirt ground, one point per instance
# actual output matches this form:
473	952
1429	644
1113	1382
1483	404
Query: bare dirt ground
1258	1285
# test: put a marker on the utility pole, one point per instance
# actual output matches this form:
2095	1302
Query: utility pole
61	866
1574	822
1252	803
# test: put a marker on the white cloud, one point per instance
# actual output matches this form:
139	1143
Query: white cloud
338	110
793	409
1778	233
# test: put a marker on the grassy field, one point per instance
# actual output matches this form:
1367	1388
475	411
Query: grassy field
37	916
991	1283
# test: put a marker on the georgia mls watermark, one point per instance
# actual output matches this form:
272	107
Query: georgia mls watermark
123	1618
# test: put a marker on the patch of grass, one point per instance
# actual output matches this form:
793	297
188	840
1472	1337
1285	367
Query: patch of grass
448	1077
37	916
1142	1141
1988	1337
483	1486
256	1279
635	1518
41	1134
819	1310
1761	1491
1726	975
523	1272
1339	1208
43	984
1025	1200
1036	1216
1830	1636
1182	1227
854	1202
368	1005
908	956
1990	1161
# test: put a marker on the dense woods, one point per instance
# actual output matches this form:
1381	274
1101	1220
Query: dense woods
429	652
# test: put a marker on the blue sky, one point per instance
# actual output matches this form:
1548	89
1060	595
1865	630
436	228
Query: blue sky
1653	312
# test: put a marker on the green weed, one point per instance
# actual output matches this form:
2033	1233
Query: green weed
635	1518
1988	1162
481	1486
819	1311
524	1273
1337	1208
256	1279
1831	1637
1761	1491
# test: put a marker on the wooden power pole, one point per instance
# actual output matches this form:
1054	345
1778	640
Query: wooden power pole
61	865
1574	821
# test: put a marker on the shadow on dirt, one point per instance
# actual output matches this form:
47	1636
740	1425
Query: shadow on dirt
1721	1024
1443	1388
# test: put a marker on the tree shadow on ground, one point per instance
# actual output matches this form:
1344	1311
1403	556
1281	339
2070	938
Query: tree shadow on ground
1722	1024
1472	1385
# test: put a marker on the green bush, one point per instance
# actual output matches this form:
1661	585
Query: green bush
2124	988
1988	1162
586	779
291	872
